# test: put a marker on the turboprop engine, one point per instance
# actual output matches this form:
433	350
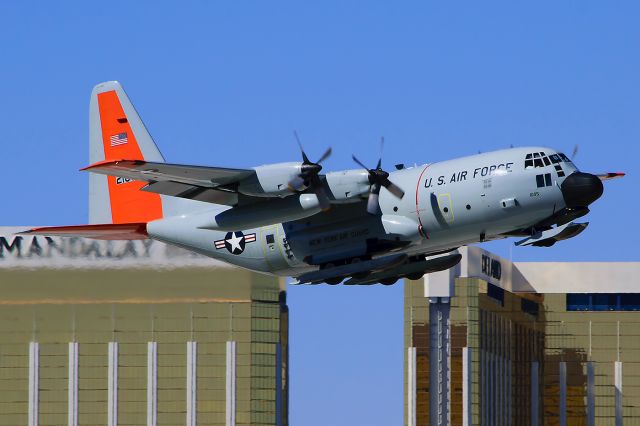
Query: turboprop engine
272	180
271	211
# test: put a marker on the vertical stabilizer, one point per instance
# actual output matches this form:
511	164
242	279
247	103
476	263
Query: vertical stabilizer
116	132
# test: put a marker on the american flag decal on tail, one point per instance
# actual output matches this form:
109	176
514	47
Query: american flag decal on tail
119	139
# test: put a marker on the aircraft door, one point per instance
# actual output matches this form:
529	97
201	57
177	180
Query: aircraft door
446	207
275	247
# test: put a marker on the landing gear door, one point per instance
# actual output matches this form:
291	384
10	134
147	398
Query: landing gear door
276	250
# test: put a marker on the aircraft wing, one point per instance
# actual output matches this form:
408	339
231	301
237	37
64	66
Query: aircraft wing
610	175
209	184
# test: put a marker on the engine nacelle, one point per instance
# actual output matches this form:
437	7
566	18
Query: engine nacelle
272	211
270	180
348	184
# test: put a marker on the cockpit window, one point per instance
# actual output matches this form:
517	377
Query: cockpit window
564	157
555	159
538	159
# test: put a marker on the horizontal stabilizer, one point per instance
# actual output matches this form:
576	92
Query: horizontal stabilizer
610	175
146	171
373	265
550	237
120	231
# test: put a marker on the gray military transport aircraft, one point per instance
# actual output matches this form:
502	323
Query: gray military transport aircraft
364	225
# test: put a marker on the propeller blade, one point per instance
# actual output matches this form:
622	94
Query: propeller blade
393	188
318	189
359	163
326	155
575	152
323	199
305	159
372	203
296	184
379	165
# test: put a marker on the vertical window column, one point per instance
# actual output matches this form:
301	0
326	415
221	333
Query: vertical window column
563	393
231	384
152	383
112	385
34	380
73	384
618	386
591	396
466	387
411	386
535	392
192	352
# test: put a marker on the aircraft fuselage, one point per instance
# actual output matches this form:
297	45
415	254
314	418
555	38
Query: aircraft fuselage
447	204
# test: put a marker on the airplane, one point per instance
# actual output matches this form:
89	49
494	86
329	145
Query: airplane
360	226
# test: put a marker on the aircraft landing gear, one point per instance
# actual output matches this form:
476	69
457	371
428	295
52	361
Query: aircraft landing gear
415	276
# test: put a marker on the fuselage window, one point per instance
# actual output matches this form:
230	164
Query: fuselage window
540	181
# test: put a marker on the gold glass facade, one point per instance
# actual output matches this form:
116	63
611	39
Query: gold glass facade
509	337
134	307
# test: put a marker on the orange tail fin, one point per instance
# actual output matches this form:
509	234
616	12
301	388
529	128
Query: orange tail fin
116	133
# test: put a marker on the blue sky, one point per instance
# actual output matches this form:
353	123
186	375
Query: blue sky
226	83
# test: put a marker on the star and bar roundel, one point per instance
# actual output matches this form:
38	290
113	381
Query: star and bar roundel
235	242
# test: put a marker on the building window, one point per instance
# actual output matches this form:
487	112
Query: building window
603	302
529	306
496	293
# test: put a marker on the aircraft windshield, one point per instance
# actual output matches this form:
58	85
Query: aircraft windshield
540	159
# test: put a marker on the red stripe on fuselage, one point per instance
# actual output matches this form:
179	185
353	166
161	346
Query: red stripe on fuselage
422	230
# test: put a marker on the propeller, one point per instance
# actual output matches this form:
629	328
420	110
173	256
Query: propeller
309	176
575	152
377	179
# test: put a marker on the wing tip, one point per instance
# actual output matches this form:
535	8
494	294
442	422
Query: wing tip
109	163
611	175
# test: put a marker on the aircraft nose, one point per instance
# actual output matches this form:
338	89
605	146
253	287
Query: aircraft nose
581	189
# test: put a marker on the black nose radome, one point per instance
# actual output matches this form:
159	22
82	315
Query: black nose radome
581	189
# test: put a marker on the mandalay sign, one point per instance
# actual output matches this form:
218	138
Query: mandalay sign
57	252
